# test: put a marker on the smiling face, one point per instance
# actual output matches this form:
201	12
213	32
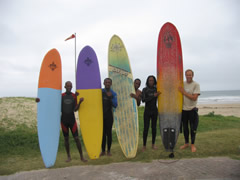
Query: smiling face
107	83
151	82
68	86
137	84
189	76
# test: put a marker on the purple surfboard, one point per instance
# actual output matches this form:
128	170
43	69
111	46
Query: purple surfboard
88	74
90	112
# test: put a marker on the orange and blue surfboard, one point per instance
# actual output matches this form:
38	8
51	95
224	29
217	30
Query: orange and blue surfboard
169	79
49	107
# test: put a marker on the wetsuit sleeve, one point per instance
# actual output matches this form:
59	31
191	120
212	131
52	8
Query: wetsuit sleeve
75	100
114	99
146	97
63	94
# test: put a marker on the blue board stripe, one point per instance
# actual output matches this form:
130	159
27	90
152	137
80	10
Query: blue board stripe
49	114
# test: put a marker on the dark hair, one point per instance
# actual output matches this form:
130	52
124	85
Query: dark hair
108	79
137	80
67	82
155	81
189	70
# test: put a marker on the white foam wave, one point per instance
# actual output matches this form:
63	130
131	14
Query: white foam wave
219	99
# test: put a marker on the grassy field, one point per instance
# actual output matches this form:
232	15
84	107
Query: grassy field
19	150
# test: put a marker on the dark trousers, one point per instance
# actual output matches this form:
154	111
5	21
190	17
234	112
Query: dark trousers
150	115
107	133
189	117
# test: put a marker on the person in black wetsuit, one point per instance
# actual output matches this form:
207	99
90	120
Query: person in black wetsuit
149	96
109	101
69	105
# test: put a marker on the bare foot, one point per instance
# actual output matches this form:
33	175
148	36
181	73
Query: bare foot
84	160
154	147
102	154
193	148
144	148
184	146
68	159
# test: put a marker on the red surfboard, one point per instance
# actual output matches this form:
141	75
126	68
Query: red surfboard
169	78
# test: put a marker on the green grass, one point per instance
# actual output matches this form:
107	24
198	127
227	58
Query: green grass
217	136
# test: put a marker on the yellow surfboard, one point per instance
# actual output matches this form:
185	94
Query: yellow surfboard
91	111
126	114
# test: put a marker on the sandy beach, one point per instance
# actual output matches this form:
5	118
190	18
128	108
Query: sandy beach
222	109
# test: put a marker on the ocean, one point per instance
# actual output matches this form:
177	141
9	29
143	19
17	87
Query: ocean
219	97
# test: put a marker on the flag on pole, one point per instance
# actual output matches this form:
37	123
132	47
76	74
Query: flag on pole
72	36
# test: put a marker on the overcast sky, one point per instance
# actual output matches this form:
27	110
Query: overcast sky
209	32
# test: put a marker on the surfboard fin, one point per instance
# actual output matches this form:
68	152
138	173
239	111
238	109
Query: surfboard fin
169	138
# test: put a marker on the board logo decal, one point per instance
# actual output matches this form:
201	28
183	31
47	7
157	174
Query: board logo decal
168	39
88	61
52	66
116	47
119	71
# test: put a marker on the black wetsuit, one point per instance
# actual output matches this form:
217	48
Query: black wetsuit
69	102
192	117
150	112
108	104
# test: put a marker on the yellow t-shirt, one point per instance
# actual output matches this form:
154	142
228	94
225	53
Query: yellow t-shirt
190	88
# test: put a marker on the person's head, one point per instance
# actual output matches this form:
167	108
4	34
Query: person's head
137	83
107	83
68	86
151	81
189	75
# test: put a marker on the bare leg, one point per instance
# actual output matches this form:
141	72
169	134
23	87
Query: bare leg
78	143
144	148
66	142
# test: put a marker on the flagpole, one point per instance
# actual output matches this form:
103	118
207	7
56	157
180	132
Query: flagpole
74	36
75	59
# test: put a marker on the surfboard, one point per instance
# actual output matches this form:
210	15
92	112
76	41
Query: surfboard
169	78
126	114
49	107
91	110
